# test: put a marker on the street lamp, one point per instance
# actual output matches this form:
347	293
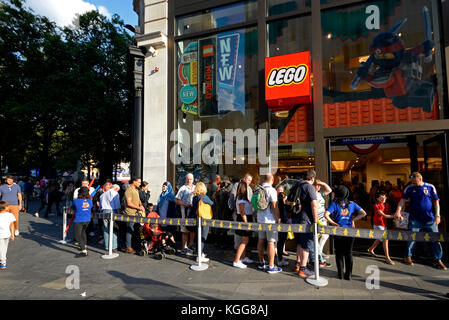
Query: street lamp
136	68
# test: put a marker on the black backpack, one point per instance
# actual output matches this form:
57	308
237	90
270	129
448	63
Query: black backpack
295	196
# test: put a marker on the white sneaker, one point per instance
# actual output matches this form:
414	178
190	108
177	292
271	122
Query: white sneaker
203	259
283	263
92	234
101	241
247	260
36	214
239	264
16	233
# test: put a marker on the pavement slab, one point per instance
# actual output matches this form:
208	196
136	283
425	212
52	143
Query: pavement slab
39	266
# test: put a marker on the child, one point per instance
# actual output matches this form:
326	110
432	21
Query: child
381	213
6	231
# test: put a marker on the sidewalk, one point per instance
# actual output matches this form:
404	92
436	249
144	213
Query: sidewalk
37	265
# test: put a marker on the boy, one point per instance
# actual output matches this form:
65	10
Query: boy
7	220
381	213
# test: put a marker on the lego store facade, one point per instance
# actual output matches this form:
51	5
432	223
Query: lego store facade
357	90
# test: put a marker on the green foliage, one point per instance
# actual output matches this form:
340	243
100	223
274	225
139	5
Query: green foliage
63	92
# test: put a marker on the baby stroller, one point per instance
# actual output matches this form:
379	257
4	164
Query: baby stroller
154	241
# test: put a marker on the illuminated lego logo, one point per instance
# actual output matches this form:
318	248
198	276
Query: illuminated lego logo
285	76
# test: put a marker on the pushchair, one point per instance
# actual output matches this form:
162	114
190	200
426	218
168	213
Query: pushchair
154	241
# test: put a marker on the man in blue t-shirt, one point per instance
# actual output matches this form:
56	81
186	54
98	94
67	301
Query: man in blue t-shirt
422	196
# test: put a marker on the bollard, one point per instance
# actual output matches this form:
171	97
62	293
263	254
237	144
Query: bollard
316	281
111	234
64	226
199	266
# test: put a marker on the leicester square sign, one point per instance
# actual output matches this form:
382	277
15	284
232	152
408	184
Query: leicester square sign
287	81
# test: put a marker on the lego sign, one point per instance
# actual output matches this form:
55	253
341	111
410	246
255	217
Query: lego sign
287	81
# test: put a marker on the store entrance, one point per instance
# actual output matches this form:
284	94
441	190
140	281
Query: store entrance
368	164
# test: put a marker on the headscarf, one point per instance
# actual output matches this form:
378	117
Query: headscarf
164	198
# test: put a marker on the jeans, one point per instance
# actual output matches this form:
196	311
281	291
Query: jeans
417	226
106	231
204	233
130	228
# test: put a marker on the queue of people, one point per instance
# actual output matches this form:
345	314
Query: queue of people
238	201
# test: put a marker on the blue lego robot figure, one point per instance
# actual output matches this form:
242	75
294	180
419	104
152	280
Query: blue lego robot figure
398	71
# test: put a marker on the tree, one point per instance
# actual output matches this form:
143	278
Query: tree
63	93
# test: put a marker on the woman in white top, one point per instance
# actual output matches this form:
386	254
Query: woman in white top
244	214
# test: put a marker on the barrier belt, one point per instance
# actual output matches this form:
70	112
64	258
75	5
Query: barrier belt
295	228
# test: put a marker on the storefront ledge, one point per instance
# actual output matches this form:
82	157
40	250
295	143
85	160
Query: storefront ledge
390	128
157	40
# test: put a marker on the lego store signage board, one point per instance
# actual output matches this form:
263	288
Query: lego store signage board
287	81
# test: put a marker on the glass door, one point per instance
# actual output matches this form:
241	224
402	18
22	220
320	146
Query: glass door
436	172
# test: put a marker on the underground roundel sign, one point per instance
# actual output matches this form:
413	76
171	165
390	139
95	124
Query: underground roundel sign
287	81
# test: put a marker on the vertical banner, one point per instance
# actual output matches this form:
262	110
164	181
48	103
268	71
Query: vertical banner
188	77
207	102
230	73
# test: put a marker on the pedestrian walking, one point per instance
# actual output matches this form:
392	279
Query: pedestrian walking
12	193
7	220
423	199
381	214
343	213
82	206
53	197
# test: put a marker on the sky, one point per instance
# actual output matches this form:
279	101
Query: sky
62	12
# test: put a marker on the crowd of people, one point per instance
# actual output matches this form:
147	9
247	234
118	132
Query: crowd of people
242	200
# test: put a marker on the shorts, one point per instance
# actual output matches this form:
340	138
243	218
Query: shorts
270	236
379	228
243	233
184	216
305	240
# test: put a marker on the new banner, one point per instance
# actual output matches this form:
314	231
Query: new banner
207	105
188	76
230	72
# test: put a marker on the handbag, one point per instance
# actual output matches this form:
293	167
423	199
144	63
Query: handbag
204	210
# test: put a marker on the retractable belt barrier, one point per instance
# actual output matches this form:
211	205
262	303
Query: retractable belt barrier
295	228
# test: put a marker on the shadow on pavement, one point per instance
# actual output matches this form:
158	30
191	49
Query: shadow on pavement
146	289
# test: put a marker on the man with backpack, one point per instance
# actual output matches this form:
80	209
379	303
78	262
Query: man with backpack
265	200
305	211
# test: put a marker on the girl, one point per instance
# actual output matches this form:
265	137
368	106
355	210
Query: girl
381	214
244	214
341	214
82	209
199	193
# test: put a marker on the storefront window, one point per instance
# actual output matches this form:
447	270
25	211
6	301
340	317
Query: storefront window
296	151
217	17
275	7
382	63
216	91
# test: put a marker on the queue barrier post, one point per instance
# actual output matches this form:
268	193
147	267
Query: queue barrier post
110	255
64	226
316	281
199	266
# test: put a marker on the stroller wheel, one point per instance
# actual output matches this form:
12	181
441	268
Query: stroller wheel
170	250
141	253
158	256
